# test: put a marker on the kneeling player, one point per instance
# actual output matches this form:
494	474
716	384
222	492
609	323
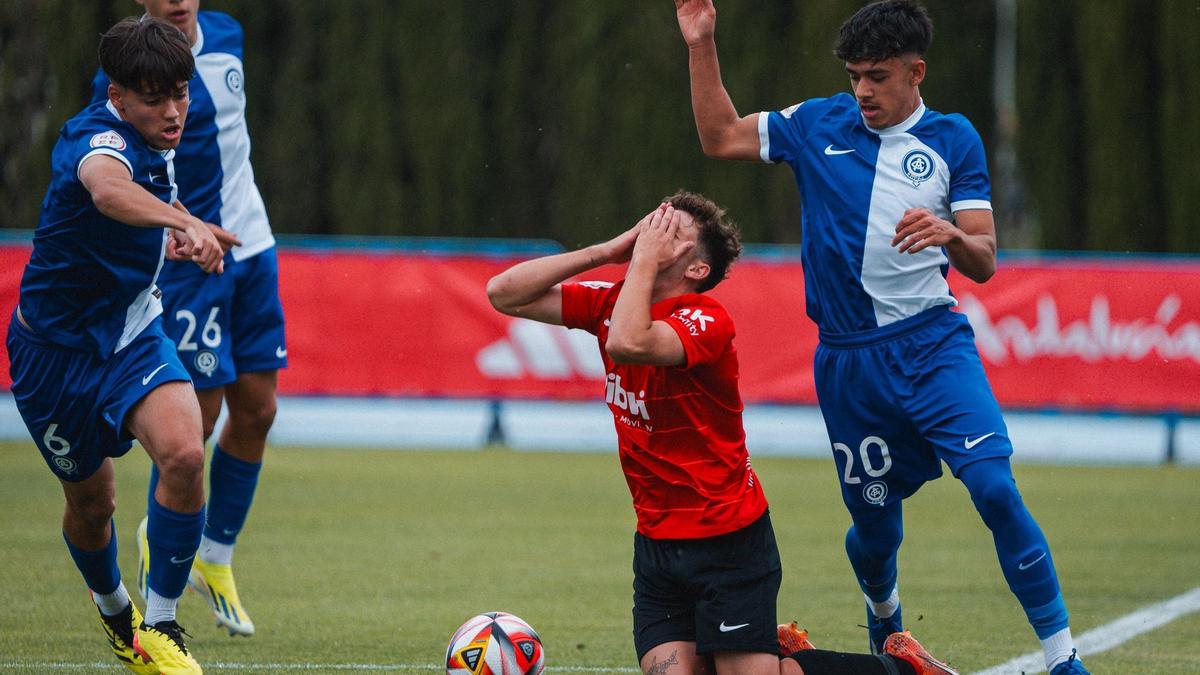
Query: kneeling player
706	566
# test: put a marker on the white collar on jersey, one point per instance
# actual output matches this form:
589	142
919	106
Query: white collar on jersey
199	39
903	126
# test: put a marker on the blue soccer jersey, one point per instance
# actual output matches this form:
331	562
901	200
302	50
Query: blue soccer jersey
212	168
855	185
90	282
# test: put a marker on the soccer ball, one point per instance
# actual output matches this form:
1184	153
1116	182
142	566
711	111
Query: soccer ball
495	643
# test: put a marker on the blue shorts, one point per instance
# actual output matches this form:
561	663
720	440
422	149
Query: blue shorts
74	404
898	399
225	324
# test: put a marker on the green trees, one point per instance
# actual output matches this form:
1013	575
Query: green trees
568	118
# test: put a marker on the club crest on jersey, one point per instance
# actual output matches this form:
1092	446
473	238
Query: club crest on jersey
875	492
918	166
206	362
108	139
233	80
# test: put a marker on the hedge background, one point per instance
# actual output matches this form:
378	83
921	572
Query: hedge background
568	118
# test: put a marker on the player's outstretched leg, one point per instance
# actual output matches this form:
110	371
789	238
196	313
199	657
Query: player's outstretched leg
233	479
904	646
872	543
1024	558
167	422
88	531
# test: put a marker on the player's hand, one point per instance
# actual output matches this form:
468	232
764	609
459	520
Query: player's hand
620	248
224	237
919	229
201	246
697	20
658	241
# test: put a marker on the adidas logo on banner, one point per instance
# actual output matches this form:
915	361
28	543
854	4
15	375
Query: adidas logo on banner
541	351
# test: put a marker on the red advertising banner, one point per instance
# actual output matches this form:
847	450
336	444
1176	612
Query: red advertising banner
1081	334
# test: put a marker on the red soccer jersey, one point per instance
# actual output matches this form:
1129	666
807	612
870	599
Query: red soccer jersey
679	429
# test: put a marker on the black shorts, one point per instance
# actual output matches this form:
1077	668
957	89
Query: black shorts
718	592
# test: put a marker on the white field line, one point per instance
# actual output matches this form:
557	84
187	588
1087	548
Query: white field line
113	666
1095	641
1112	634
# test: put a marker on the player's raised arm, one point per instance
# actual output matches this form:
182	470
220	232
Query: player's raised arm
969	242
723	133
532	289
116	195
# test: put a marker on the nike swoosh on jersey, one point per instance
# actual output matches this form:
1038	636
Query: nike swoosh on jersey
280	352
830	151
146	379
972	443
726	629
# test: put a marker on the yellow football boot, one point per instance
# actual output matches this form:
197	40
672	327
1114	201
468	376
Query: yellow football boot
119	630
214	581
162	644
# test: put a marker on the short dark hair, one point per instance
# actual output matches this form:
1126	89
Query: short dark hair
147	55
719	240
883	30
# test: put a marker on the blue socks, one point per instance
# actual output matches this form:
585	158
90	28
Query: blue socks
173	538
232	483
1020	545
231	491
99	568
871	544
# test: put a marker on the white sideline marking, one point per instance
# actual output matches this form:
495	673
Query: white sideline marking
42	666
1095	641
1112	634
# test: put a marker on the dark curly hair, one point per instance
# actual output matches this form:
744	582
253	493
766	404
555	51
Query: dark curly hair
883	30
147	55
719	241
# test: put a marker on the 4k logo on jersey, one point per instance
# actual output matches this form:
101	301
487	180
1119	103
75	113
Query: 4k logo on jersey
695	320
625	400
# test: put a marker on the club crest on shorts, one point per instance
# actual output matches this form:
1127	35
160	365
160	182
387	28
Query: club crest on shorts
875	492
918	166
206	362
66	464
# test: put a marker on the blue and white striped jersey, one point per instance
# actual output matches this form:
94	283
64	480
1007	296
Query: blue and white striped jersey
855	184
212	163
90	282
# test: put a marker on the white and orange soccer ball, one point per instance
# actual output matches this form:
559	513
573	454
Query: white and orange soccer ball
495	643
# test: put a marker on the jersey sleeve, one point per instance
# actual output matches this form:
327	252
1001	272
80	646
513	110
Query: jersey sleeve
704	328
970	185
583	304
780	134
98	141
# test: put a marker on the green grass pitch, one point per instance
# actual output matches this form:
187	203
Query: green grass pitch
362	558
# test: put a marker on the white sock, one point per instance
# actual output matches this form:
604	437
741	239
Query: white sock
887	608
1058	648
111	604
215	552
159	609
